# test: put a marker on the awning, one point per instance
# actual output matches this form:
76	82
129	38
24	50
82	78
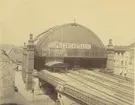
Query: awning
56	64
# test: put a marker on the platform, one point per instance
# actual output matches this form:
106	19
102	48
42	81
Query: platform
39	98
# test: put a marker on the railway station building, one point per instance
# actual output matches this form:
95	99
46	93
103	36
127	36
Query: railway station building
70	44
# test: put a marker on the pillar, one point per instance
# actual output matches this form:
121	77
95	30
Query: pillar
24	62
30	63
110	57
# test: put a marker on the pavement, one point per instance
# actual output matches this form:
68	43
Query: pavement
18	99
27	97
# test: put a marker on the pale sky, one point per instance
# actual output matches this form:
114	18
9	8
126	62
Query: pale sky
113	19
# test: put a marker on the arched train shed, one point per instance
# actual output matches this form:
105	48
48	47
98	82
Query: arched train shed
72	44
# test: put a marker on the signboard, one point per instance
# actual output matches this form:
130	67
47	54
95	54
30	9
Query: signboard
65	45
73	46
59	49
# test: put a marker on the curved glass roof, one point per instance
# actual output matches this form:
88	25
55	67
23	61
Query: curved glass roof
72	32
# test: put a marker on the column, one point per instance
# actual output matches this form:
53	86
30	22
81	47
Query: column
24	55
30	63
110	57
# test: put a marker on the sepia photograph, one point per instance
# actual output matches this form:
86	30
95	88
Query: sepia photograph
67	52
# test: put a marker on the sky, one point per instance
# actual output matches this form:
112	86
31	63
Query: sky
113	19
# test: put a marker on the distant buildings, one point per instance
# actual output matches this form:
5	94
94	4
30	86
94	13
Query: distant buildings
15	54
124	59
7	79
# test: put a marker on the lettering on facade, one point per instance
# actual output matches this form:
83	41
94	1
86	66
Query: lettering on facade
73	46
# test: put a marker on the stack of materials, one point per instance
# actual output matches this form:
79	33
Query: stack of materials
7	78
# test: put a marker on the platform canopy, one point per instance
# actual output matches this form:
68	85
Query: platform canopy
55	64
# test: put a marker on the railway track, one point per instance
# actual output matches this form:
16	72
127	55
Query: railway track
89	98
67	85
123	78
106	85
96	94
112	87
104	91
116	77
98	90
109	79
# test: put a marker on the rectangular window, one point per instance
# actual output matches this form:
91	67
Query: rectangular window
70	52
87	53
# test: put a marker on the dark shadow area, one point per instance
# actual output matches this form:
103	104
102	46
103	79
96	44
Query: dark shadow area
71	62
86	62
48	89
39	63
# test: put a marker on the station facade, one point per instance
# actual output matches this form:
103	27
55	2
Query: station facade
71	44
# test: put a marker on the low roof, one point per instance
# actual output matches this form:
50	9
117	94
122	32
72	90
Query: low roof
121	48
132	45
55	64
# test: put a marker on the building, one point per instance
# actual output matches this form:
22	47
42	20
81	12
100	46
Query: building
7	79
124	60
70	43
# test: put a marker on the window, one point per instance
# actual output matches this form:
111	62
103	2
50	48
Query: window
87	53
75	52
70	52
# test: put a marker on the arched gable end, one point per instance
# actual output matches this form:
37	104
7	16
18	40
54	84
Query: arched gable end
69	33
